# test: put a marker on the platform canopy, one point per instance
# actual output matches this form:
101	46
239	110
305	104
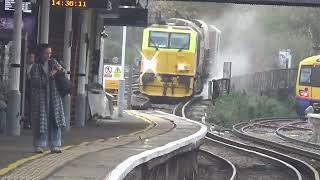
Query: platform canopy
309	3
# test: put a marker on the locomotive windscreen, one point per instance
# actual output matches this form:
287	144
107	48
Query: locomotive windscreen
169	40
309	76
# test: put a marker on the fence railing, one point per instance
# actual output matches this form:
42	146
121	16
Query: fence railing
218	87
265	82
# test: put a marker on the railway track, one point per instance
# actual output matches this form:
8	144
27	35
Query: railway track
210	161
304	169
281	141
212	166
299	169
302	150
287	131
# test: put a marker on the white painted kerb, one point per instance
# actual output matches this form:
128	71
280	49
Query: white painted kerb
121	171
317	116
314	119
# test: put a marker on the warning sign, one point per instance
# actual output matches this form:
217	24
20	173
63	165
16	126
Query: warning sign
112	72
117	73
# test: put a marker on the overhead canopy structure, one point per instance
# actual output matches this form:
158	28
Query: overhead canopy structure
309	3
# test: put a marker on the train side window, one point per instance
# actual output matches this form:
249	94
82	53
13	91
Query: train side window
315	77
305	75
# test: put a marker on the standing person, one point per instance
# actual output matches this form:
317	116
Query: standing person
31	62
47	111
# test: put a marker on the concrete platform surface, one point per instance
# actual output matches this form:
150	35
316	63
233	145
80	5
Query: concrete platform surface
116	157
13	149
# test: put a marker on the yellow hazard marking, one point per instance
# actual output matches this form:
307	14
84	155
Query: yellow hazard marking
99	140
84	143
22	161
151	124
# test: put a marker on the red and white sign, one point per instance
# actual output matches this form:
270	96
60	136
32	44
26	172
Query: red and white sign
111	72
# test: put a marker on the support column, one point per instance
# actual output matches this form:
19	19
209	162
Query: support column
100	73
129	93
24	77
66	60
14	95
45	18
99	28
81	97
122	81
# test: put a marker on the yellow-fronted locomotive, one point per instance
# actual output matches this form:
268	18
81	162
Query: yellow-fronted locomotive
176	58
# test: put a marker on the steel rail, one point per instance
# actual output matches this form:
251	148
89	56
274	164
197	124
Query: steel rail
239	147
237	130
260	121
300	142
197	98
225	161
189	103
178	109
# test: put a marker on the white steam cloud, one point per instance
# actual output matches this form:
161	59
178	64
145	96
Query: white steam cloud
236	24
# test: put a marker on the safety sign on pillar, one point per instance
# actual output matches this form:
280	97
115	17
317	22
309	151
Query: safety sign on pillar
112	72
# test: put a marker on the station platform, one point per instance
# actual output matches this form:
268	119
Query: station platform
106	149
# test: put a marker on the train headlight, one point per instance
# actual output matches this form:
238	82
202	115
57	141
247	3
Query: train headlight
148	65
182	67
303	93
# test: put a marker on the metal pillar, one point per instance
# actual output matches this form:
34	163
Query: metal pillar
100	74
81	97
122	81
45	18
66	60
99	27
24	77
130	84
14	96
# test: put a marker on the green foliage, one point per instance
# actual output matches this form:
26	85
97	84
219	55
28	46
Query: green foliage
236	107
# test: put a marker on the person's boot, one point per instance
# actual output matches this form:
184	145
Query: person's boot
56	150
38	150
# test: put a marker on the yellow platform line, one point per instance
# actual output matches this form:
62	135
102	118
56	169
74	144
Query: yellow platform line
84	143
99	140
22	161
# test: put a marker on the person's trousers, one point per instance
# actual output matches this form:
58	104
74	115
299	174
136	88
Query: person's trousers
52	137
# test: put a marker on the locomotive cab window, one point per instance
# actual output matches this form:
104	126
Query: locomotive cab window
305	75
158	39
309	75
179	40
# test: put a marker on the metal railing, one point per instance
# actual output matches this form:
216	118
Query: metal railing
218	87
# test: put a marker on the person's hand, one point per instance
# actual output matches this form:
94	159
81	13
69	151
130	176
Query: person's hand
53	72
58	67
